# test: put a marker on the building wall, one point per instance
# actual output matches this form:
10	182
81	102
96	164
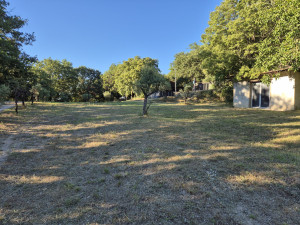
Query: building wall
297	90
241	94
282	92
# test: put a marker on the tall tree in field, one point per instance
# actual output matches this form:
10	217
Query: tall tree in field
89	83
14	62
129	72
149	82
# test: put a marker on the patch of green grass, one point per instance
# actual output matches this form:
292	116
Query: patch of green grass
96	195
58	210
251	216
70	186
119	176
71	202
281	157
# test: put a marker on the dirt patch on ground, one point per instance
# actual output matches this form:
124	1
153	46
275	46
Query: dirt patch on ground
105	164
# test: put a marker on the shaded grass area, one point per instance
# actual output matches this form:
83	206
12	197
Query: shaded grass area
81	163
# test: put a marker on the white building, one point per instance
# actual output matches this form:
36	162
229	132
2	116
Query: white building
282	94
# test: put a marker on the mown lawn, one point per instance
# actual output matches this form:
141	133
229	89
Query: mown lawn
81	163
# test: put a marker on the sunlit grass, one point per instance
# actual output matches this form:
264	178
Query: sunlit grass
254	178
31	179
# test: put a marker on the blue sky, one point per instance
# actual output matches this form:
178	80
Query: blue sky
97	33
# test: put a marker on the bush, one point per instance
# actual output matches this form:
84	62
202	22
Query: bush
207	94
40	93
44	94
108	96
225	93
64	97
4	93
185	93
85	97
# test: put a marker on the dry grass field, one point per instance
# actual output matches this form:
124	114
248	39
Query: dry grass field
77	163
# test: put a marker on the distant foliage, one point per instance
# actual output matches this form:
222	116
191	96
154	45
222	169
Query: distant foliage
4	93
85	97
187	67
185	92
108	96
64	97
59	81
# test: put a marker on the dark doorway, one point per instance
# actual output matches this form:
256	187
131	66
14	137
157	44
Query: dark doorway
265	95
260	95
255	94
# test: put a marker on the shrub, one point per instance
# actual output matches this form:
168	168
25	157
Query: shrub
64	97
85	97
185	93
44	94
4	93
108	96
40	93
225	93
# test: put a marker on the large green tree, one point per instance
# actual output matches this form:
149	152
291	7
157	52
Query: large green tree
59	77
89	83
122	77
14	62
249	37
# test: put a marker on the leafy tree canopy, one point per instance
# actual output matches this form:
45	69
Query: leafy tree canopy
249	37
14	62
90	84
149	82
60	78
122	77
244	39
187	65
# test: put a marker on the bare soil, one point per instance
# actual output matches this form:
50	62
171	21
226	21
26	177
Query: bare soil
77	163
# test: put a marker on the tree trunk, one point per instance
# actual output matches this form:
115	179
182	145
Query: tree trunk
16	103
32	98
145	106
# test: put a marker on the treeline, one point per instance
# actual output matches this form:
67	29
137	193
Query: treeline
244	39
56	80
